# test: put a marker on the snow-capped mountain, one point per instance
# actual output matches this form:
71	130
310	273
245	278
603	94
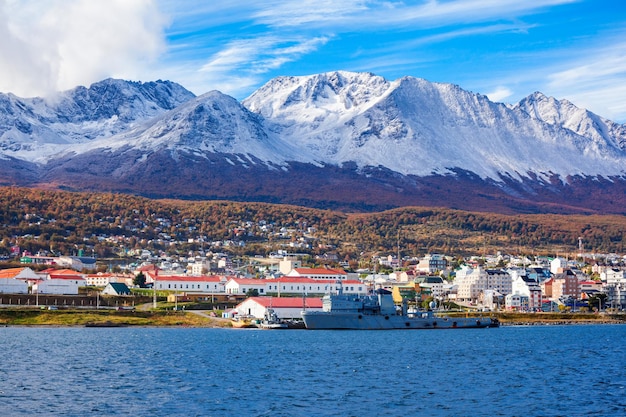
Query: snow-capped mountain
416	127
34	128
562	113
334	140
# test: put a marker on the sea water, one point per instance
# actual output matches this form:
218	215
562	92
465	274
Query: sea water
570	370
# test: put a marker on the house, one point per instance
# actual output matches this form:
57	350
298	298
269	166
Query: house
432	263
102	279
284	307
116	288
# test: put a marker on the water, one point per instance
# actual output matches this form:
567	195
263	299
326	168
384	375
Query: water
510	371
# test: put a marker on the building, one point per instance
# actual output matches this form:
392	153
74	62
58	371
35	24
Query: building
116	288
318	273
15	280
308	286
523	284
517	302
245	285
565	285
102	279
432	263
284	307
183	283
474	282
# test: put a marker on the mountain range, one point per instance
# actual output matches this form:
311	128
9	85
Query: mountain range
338	140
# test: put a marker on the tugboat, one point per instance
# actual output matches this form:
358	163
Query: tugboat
377	311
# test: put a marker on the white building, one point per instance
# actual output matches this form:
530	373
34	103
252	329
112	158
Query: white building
284	307
303	286
102	279
290	286
56	286
523	284
191	284
472	283
318	273
516	302
13	286
244	285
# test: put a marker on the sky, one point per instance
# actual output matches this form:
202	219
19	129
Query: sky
505	49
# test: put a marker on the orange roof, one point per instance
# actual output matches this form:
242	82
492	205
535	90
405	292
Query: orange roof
10	272
287	302
65	276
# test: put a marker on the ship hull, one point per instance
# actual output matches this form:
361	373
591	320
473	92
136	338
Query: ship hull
318	320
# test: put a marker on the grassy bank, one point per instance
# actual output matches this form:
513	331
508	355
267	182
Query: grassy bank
513	318
33	317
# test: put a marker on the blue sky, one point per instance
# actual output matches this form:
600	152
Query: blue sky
506	49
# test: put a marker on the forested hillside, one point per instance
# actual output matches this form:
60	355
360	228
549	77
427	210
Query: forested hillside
111	224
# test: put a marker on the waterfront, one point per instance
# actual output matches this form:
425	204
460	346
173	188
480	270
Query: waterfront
510	371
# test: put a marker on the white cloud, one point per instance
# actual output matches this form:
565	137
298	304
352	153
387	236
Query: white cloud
596	80
242	63
58	44
499	94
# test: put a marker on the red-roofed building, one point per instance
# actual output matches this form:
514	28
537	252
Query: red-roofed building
284	307
59	281
318	273
293	286
299	286
102	279
243	285
181	283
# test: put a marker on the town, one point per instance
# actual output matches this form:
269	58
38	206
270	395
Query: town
249	288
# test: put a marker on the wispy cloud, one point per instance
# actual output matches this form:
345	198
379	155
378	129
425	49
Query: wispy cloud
595	79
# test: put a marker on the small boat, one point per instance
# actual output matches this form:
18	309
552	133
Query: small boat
377	311
271	321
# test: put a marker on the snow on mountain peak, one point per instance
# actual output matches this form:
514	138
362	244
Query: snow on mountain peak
410	126
417	127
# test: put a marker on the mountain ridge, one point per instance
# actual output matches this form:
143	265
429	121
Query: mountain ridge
346	140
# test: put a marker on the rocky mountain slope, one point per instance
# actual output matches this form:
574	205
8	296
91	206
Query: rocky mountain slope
353	141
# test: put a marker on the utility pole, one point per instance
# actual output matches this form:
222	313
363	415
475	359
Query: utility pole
154	282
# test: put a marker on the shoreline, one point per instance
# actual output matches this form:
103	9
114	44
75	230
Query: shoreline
199	319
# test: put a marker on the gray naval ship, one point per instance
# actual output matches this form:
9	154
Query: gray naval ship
377	311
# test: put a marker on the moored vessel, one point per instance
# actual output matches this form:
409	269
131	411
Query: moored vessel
377	311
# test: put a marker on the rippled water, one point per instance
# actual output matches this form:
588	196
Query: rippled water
510	371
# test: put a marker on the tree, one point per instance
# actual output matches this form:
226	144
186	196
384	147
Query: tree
140	280
252	292
597	301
